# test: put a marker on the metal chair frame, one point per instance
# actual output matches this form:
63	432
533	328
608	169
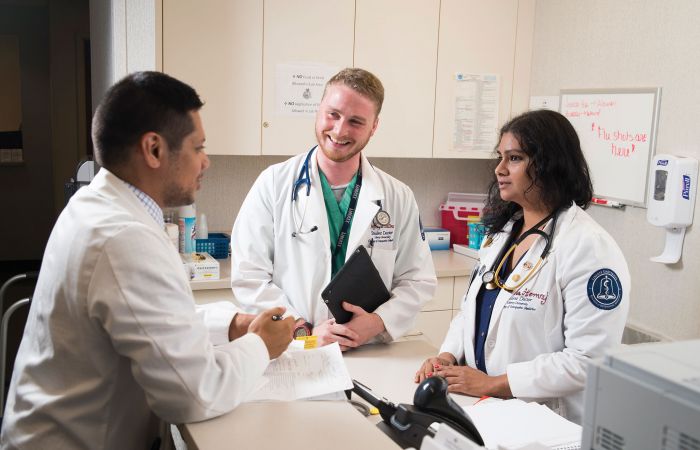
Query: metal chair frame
5	323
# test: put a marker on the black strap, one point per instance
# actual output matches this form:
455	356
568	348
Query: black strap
349	214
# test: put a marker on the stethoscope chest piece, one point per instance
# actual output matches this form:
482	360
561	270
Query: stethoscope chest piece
488	278
381	219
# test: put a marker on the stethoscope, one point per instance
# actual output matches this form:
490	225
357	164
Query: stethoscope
491	277
302	179
381	219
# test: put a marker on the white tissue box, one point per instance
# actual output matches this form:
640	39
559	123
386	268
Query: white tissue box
200	266
438	238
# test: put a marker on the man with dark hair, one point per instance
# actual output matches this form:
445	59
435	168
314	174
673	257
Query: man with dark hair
303	217
113	341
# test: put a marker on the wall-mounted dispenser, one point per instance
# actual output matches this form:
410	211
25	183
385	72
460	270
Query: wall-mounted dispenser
672	184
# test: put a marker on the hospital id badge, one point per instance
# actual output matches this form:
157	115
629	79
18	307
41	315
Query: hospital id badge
383	237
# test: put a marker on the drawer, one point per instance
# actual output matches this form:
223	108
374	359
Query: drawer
432	325
443	298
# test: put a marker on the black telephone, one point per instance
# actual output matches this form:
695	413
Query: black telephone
408	424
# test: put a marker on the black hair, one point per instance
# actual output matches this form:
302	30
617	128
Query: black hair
139	103
557	166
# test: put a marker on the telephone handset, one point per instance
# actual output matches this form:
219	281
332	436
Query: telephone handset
431	395
408	424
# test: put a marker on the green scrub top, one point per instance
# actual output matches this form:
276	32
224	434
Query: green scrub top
336	211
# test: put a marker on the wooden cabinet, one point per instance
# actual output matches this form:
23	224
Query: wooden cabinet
479	37
230	51
434	319
304	32
460	289
432	325
216	46
397	41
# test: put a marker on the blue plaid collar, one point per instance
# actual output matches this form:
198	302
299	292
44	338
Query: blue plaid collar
151	206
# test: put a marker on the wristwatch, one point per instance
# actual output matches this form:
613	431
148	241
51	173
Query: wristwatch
304	329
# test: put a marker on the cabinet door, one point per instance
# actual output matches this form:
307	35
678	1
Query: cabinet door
301	33
478	37
216	46
204	296
459	290
432	325
443	296
397	41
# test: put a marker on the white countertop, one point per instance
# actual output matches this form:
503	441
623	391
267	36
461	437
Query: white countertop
387	369
447	264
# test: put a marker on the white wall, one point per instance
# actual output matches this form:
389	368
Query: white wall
123	39
635	43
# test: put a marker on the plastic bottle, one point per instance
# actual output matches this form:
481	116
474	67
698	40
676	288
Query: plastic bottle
202	228
187	223
174	234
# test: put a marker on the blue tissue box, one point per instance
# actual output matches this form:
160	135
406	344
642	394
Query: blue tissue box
438	238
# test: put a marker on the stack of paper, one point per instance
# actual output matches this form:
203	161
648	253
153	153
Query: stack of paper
300	373
512	424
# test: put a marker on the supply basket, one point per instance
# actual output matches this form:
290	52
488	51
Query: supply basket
459	210
217	245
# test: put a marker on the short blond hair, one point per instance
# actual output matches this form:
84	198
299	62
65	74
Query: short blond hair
362	82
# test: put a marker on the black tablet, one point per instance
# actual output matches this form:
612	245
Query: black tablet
357	282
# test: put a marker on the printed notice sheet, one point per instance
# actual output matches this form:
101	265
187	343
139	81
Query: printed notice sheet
300	87
298	374
476	112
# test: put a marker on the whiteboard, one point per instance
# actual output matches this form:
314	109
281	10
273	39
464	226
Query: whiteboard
617	129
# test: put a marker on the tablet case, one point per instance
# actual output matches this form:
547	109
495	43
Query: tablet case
357	282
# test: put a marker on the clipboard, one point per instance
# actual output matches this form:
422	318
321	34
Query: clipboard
358	282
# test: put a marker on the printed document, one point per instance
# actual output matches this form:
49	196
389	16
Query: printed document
514	423
298	374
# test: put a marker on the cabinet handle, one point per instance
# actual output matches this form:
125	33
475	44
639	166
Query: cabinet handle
266	124
417	333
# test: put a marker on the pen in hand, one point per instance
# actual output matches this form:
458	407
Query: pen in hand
277	317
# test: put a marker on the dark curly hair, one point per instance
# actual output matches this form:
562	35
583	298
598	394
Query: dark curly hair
557	166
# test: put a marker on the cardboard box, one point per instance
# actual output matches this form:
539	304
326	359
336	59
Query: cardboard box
200	266
438	238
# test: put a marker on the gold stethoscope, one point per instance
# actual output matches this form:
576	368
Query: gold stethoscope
491	277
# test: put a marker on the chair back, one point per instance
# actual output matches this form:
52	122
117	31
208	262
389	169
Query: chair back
5	316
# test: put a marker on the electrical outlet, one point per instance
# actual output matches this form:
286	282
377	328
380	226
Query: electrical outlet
11	156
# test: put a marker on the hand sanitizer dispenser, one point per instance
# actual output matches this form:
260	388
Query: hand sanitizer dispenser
671	201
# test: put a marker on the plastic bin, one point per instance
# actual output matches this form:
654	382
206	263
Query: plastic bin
459	210
217	245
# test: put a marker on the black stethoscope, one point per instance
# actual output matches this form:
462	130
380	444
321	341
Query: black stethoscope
381	219
491	277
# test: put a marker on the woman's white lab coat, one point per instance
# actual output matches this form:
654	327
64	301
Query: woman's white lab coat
269	267
113	337
543	334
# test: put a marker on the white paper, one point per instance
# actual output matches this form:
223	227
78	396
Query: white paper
525	423
300	88
476	112
298	374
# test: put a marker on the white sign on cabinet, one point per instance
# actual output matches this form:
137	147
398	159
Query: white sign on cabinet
299	87
476	112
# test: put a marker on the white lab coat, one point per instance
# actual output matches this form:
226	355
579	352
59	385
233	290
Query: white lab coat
112	335
544	334
269	267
